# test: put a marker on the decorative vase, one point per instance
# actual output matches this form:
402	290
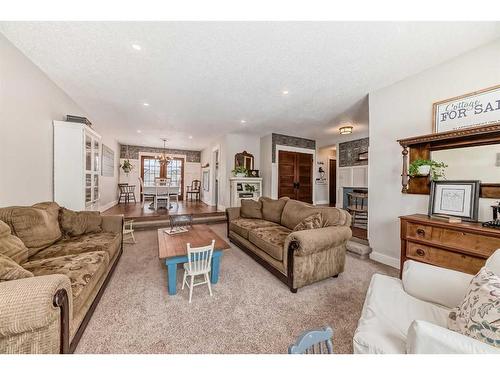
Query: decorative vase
424	170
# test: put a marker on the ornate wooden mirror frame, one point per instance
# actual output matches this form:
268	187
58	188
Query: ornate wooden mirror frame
421	147
244	159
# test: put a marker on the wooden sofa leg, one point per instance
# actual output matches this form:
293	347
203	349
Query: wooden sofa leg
293	290
335	276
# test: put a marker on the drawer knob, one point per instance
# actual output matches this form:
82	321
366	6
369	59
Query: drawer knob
420	252
421	232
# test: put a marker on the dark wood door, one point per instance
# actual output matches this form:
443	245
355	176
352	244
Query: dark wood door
333	182
295	175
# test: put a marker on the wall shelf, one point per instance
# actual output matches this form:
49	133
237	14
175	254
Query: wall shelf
420	148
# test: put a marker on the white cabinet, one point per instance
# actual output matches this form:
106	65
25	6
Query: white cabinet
245	188
77	164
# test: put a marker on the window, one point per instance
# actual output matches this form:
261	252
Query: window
151	169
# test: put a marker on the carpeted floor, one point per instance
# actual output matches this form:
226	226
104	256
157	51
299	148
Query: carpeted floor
251	310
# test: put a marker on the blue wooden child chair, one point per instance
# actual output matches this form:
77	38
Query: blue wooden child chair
318	341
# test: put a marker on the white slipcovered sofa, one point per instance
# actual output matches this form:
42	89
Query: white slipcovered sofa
410	315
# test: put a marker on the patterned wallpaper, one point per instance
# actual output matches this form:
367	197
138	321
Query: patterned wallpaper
349	151
287	140
133	152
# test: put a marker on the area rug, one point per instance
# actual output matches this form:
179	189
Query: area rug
251	311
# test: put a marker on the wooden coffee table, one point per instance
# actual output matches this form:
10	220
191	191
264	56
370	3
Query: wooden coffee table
173	248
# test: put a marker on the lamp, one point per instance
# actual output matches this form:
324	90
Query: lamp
345	130
163	157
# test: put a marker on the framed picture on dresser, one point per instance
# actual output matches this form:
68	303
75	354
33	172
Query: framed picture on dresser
459	198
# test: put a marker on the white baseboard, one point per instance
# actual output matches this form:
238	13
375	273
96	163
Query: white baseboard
322	202
382	258
108	206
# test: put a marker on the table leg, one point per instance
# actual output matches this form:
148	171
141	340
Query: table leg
214	276
172	277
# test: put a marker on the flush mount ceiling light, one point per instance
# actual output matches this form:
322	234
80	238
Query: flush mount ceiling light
145	104
285	92
139	131
136	47
190	137
345	130
243	121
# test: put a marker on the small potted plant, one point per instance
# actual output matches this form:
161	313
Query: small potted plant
127	166
425	167
240	171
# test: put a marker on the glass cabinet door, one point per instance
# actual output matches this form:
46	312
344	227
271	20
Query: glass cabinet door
88	152
97	155
88	188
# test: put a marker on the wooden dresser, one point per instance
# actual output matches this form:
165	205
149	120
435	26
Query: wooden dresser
463	247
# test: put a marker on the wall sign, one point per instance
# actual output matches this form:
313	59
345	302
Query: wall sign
466	111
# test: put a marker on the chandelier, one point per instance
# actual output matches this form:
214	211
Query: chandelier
163	158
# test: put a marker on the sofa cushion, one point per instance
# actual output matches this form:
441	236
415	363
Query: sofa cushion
273	208
37	226
270	239
313	221
294	212
12	246
10	270
251	209
478	316
104	241
74	223
84	271
242	226
387	314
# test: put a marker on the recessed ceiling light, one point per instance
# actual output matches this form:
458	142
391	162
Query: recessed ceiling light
145	104
136	47
243	121
190	137
139	131
285	92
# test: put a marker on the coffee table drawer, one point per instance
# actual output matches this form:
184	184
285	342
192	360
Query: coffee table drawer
443	258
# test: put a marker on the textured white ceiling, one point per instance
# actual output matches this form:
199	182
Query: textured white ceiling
202	78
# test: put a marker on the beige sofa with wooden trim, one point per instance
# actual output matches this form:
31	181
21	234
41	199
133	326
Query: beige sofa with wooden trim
54	266
298	258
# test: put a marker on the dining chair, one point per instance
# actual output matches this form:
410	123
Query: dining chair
199	264
318	341
194	189
144	194
162	191
173	193
126	192
357	206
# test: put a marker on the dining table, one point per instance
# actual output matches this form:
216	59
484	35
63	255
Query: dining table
159	190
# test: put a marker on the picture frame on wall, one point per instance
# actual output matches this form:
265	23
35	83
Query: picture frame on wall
478	108
459	198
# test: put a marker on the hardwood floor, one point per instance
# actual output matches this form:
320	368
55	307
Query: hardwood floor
137	212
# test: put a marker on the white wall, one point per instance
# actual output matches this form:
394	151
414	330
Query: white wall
404	110
29	102
266	164
323	191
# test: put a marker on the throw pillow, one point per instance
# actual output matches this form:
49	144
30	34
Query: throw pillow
10	270
313	221
273	208
11	246
75	223
251	209
479	314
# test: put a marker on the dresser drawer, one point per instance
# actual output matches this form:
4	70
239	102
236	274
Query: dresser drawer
479	244
443	258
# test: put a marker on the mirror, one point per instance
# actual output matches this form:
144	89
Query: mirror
243	159
471	163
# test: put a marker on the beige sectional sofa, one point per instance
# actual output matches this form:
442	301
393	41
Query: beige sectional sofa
268	230
54	266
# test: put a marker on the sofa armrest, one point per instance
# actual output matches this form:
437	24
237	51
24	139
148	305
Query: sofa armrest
232	213
30	305
427	338
112	223
435	284
315	240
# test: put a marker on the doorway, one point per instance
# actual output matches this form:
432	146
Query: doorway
332	178
295	170
151	169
